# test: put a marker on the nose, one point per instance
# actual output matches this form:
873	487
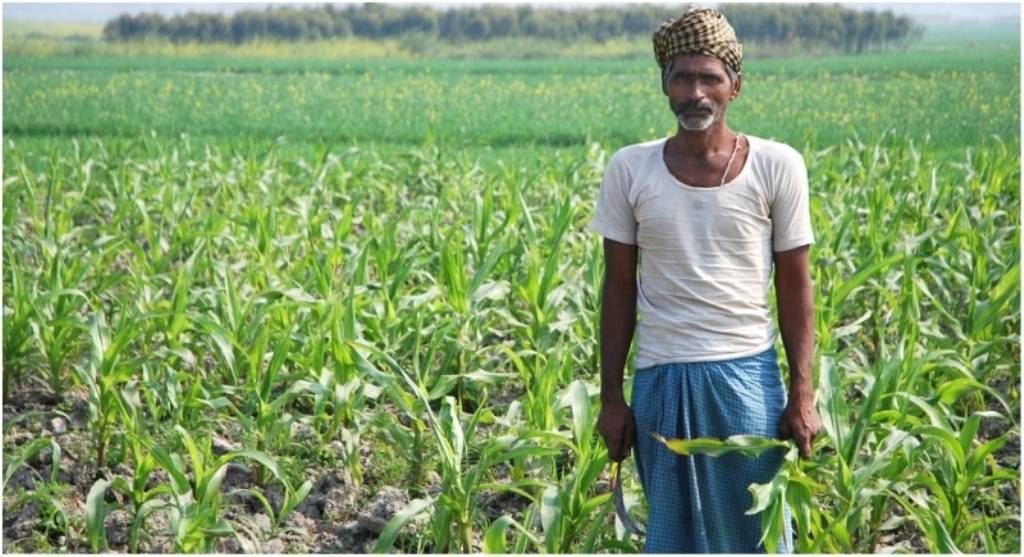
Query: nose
693	92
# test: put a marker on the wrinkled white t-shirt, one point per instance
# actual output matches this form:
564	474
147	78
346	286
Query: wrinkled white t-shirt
705	254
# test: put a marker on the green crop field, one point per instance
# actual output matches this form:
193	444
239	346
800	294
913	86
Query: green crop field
345	305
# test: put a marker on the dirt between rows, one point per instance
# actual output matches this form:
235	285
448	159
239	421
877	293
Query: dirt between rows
336	516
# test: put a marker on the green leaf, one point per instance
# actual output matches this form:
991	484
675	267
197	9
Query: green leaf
397	522
198	470
260	457
294	499
942	540
550	513
883	385
840	293
990	545
491	291
801	503
951	442
950	391
442	386
298	295
95	513
27	454
494	539
968	432
140	517
748	445
831	392
262	499
219	530
224	346
977	459
211	488
581	415
940	495
998	297
767	493
179	481
453	431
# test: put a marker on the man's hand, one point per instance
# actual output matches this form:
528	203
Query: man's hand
801	423
618	320
615	422
795	294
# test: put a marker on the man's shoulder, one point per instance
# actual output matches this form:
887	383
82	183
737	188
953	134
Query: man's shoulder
775	151
634	154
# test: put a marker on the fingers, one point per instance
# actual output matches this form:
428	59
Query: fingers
613	448
629	431
617	428
802	438
614	445
805	447
784	432
621	449
805	440
619	445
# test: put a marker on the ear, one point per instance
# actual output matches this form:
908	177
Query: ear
736	87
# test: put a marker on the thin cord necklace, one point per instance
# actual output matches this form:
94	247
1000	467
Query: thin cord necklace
735	147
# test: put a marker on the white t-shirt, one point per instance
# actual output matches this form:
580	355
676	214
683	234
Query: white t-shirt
705	254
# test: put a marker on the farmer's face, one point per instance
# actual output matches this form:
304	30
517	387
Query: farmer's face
698	90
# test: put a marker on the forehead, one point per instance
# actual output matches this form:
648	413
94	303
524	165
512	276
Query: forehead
697	63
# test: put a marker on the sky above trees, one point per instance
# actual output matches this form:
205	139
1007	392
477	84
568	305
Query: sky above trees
927	13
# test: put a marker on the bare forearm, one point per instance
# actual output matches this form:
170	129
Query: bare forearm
796	321
618	321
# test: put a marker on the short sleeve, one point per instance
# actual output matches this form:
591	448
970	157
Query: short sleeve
614	218
790	209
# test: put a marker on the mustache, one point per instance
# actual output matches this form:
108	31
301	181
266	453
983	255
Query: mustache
706	106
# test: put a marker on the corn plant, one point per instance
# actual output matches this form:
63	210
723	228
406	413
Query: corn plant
30	452
332	400
456	506
17	322
195	506
104	373
263	414
542	276
413	439
54	516
143	501
57	336
96	511
572	512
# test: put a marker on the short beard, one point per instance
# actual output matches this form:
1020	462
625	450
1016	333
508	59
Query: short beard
696	123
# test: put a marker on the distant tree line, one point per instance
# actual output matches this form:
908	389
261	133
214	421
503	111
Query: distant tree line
832	26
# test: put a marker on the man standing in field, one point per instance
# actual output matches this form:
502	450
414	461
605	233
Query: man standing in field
706	213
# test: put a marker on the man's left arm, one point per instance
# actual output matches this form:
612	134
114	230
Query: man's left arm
795	296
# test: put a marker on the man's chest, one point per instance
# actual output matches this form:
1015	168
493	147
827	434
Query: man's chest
671	217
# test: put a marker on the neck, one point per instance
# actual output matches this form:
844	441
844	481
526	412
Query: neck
704	143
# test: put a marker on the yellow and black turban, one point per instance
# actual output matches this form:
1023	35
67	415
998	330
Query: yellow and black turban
698	31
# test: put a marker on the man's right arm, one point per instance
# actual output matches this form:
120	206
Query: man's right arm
618	322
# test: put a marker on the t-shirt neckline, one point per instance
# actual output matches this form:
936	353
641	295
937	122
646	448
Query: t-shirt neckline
680	183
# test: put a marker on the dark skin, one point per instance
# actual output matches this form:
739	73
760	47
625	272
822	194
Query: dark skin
698	85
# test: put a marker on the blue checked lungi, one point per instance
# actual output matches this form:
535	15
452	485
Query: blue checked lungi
697	503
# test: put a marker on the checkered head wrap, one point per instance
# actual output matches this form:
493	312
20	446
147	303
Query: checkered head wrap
698	31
